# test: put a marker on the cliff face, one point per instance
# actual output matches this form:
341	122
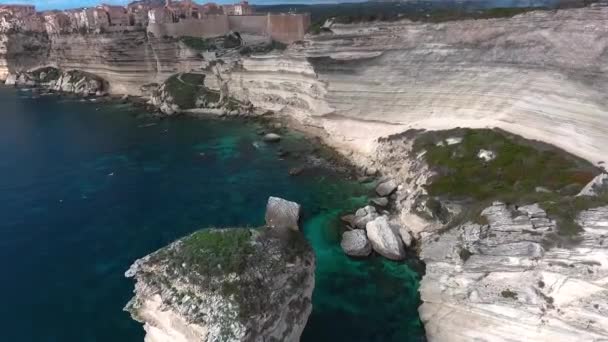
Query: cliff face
20	51
502	277
539	74
126	60
226	285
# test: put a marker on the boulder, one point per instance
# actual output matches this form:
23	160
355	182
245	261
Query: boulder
486	155
380	201
363	216
371	171
596	186
386	188
355	243
385	239
282	214
272	137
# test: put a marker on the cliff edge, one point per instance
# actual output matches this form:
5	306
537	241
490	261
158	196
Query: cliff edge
233	284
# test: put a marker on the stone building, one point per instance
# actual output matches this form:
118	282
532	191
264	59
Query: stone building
242	8
210	9
139	14
160	16
185	9
117	15
18	11
56	22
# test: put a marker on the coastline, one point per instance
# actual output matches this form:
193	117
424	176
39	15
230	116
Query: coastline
348	111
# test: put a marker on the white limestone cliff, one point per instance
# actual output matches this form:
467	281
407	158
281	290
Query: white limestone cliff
501	277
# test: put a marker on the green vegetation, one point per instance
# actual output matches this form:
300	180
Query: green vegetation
509	294
198	44
186	88
213	252
255	256
46	74
520	166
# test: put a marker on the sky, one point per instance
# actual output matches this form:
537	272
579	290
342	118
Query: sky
62	4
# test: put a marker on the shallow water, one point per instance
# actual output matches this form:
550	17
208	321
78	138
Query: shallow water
88	188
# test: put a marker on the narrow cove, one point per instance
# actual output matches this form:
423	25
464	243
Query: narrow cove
88	188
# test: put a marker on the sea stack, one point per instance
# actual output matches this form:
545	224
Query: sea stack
232	284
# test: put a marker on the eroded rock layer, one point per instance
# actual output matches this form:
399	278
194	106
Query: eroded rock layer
504	278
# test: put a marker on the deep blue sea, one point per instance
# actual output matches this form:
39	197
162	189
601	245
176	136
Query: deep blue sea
86	189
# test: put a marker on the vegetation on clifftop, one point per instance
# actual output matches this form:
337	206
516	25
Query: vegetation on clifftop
198	44
186	88
240	263
522	172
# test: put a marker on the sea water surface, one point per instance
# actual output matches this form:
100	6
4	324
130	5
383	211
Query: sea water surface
86	189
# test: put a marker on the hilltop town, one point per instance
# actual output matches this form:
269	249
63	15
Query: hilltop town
171	18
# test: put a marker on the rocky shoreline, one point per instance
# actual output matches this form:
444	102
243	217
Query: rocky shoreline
485	265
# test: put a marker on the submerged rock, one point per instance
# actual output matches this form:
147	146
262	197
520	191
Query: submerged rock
355	243
272	137
226	285
282	214
384	239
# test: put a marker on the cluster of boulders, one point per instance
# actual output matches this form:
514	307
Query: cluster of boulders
371	229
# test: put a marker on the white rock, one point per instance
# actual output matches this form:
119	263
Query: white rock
386	188
453	140
282	214
272	137
486	155
406	236
355	243
384	239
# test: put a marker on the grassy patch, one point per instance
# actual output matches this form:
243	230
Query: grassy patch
185	89
519	167
214	252
46	74
198	44
240	264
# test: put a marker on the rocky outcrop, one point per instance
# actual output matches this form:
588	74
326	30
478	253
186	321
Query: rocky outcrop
73	81
226	285
385	238
282	214
504	276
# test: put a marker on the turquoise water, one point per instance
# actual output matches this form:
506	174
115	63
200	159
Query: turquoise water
87	188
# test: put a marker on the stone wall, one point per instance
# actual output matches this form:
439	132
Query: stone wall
210	26
288	28
285	28
253	24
